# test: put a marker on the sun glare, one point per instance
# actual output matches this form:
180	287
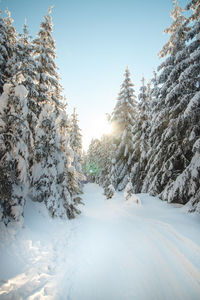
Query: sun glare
106	128
96	130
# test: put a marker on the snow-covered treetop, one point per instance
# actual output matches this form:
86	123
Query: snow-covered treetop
143	91
75	135
171	46
195	6
49	87
126	107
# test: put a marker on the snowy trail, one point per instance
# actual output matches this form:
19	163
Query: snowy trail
114	250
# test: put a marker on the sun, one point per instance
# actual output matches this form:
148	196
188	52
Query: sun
101	127
106	128
96	128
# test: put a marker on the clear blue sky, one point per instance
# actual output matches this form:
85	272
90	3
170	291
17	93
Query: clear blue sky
96	40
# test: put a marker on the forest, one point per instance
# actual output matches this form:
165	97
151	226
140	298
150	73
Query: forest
155	143
120	220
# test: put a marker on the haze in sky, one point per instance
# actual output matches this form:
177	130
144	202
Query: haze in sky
95	41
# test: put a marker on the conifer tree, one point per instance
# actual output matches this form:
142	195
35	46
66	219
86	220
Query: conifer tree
164	145
76	145
22	62
14	140
8	36
187	127
123	119
140	139
105	174
174	161
47	76
52	181
93	161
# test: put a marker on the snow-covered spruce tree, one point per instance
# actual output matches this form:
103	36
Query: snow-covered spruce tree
67	175
47	170
129	190
123	119
22	62
8	36
164	144
175	167
76	145
48	79
186	128
140	139
93	162
98	163
105	171
3	51
14	154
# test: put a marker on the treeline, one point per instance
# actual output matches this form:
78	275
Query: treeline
155	142
40	146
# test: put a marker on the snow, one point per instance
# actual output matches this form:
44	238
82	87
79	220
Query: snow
111	251
21	91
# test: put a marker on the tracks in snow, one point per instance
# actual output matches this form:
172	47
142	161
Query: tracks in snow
114	251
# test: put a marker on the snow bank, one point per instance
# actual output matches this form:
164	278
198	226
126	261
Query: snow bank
21	92
134	199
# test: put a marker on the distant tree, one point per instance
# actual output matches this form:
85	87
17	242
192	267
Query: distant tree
123	118
140	139
105	157
76	145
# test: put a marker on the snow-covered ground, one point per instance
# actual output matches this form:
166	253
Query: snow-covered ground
115	250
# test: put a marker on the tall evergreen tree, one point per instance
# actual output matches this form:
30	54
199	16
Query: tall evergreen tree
22	62
47	76
173	163
140	139
123	119
161	135
47	170
93	162
8	37
187	127
76	145
105	172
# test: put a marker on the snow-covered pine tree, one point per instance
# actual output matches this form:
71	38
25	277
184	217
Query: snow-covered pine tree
3	51
140	139
93	162
8	36
164	143
186	116
14	154
97	163
123	119
76	145
48	79
174	163
22	62
129	190
47	170
105	172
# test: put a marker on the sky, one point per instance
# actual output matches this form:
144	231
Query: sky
95	41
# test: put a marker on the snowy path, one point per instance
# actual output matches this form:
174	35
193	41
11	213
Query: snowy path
114	250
